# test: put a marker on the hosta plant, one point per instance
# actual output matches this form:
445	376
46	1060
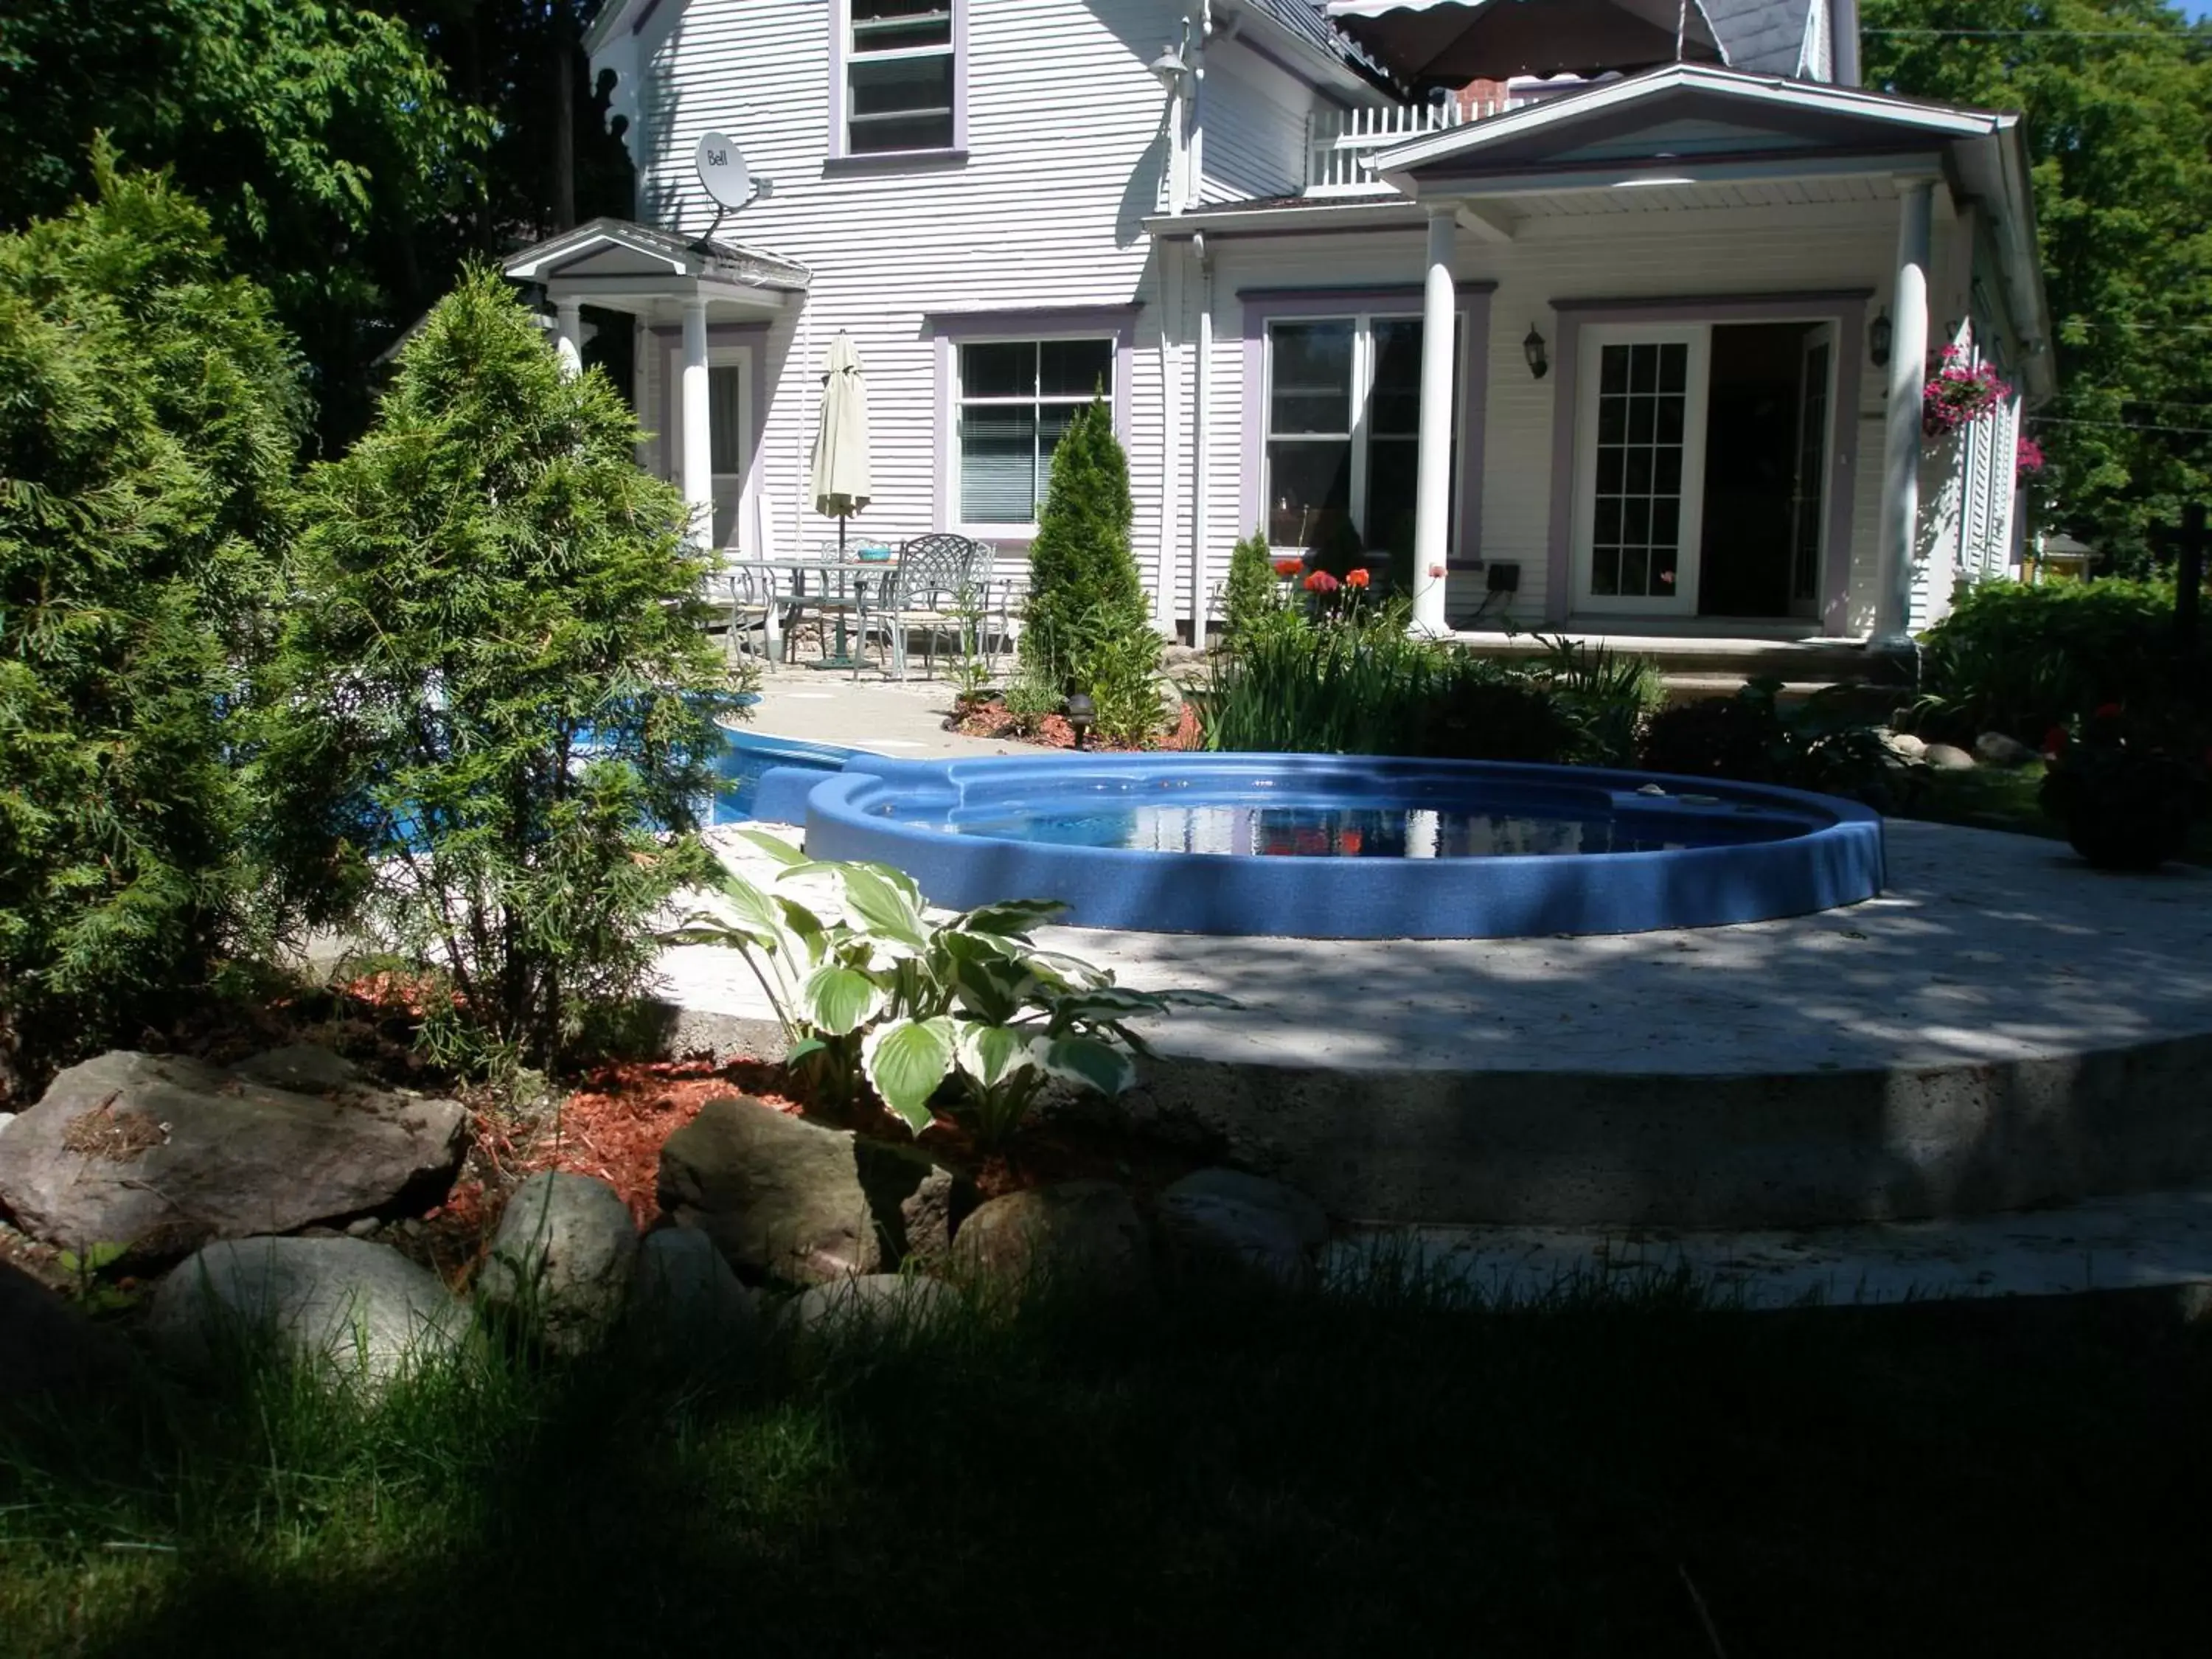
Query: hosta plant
869	989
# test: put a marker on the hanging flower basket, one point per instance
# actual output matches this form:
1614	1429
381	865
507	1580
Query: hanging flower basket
2027	459
1959	394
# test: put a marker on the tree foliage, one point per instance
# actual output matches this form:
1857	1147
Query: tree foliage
2117	99
319	135
495	688
149	409
1082	573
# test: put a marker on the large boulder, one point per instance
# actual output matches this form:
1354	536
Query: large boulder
561	1259
1999	749
160	1154
1084	1235
683	1295
786	1198
360	1311
884	1299
1225	1220
48	1348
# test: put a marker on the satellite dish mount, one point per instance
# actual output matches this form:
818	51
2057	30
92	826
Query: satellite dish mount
726	179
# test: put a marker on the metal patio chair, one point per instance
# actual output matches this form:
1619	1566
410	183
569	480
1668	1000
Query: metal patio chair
941	584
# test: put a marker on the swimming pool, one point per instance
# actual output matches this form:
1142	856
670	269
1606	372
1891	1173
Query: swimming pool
1342	846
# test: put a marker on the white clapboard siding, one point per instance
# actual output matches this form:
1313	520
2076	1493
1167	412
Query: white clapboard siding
1254	117
1045	211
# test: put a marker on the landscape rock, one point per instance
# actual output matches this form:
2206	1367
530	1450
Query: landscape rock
160	1154
1995	749
1083	1235
561	1257
6	1118
788	1199
870	1298
682	1292
1947	758
364	1311
1308	1221
1905	745
47	1347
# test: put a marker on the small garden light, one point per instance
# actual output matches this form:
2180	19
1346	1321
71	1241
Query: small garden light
1540	364
1082	714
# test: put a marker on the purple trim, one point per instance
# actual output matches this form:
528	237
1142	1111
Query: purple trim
1265	306
1845	307
841	31
950	328
892	161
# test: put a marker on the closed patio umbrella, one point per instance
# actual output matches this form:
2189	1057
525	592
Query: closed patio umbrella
1452	42
841	484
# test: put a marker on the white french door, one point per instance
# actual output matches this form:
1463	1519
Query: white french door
1809	484
729	443
1640	467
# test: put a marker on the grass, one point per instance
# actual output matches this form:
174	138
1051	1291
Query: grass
1395	1470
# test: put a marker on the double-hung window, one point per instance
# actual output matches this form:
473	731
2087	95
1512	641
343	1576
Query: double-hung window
902	73
1344	402
1016	398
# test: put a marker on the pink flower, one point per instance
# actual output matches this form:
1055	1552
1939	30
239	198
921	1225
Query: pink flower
2027	455
1321	582
1437	572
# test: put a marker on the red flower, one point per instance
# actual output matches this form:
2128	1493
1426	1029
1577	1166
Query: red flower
2105	711
1287	568
2054	740
1321	582
1355	578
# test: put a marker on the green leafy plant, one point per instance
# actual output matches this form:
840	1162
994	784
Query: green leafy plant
1823	743
1612	693
1086	597
494	710
2127	787
2021	660
869	989
1116	658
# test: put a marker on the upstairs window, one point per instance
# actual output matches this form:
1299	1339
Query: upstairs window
902	85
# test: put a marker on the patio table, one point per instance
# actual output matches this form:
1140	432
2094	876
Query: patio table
843	594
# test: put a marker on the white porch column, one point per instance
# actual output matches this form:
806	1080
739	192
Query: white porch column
698	447
569	336
1900	450
1433	489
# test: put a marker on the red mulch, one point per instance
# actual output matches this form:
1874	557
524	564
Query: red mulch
994	720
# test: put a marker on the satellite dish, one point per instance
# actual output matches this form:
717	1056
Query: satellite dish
722	171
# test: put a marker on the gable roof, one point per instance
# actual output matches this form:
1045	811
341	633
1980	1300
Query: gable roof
619	248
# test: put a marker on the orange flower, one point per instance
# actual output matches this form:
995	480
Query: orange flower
1286	568
1355	578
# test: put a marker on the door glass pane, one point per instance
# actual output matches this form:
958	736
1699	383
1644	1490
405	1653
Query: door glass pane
1309	490
1312	388
1394	408
726	432
1806	503
1636	518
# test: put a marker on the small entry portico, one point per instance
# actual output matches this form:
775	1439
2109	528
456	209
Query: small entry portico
704	306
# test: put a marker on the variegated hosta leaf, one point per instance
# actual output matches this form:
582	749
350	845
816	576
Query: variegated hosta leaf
774	845
1015	916
906	1060
990	1053
1085	1060
1105	1002
837	999
1075	973
884	908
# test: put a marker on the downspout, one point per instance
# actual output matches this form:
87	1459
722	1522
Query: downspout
1844	44
1170	424
1202	376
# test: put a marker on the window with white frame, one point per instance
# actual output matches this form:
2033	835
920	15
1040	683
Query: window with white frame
902	76
1015	399
1343	439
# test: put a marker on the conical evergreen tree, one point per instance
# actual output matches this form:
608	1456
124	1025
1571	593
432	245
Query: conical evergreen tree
1082	577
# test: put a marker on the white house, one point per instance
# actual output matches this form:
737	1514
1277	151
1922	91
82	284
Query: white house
1635	350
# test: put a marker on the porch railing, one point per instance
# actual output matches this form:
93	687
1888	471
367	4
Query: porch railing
1340	144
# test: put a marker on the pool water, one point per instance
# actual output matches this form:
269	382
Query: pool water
1241	829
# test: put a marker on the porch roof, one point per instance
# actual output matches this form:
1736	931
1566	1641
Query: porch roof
635	268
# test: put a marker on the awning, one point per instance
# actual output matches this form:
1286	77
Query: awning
1452	42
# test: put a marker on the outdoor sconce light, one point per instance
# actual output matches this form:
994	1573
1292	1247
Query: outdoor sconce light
1082	714
1169	68
1533	349
1878	339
